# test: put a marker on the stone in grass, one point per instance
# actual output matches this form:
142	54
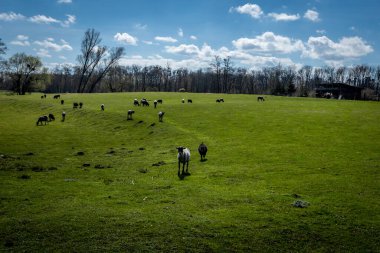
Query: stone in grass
142	170
300	204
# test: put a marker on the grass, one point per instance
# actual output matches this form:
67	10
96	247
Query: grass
263	157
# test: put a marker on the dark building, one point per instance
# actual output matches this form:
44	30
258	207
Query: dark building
338	90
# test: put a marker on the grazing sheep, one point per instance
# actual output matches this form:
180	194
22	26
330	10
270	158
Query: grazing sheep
63	116
160	116
190	101
42	119
218	100
80	105
57	96
144	103
184	158
202	149
183	100
102	107
136	102
62	102
260	98
221	100
130	112
155	103
159	101
75	105
42	97
51	117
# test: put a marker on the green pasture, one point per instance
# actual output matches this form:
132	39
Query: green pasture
99	182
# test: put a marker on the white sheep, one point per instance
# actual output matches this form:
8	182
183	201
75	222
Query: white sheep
160	116
184	158
130	112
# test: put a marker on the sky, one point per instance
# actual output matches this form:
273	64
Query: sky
184	33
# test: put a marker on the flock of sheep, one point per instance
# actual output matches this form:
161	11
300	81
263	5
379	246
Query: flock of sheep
183	155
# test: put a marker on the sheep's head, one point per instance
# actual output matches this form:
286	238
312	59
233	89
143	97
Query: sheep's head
180	149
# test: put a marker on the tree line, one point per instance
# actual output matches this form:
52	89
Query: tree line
97	70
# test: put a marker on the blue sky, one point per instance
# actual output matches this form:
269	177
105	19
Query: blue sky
189	34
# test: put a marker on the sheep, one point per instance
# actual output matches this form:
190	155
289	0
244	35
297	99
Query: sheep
75	105
42	119
184	158
80	104
136	102
159	101
144	102
190	101
63	116
160	116
102	107
202	149
56	96
130	112
62	102
51	117
260	98
42	97
218	100
183	100
221	100
155	103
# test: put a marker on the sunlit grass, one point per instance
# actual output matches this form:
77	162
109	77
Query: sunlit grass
262	157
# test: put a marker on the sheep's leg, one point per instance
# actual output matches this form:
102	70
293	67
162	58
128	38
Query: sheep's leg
179	169
187	169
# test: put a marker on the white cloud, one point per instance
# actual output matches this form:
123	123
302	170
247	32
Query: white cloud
269	42
165	39
126	38
183	48
50	44
147	42
180	32
62	57
70	20
43	53
42	19
312	15
328	50
321	31
11	16
193	37
251	9
141	26
22	43
22	37
284	16
22	40
64	1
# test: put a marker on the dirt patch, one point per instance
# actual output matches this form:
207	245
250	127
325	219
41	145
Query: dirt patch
159	163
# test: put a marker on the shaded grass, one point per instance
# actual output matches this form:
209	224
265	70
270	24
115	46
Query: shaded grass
261	155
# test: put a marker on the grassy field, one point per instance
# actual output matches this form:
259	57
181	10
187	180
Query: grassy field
123	193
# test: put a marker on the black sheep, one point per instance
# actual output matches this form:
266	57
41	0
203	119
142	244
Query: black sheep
202	149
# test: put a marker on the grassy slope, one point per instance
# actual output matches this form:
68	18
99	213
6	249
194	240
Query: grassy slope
260	154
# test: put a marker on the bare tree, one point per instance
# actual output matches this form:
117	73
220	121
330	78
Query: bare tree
216	65
93	62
